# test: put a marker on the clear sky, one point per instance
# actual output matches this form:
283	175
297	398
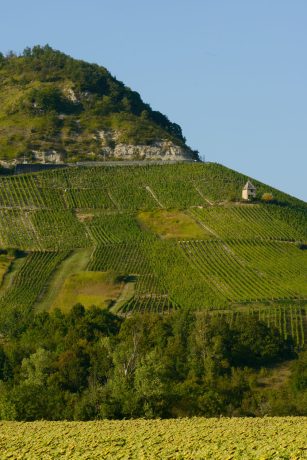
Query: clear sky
232	73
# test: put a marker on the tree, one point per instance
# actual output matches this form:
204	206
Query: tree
299	376
72	369
37	368
27	52
152	385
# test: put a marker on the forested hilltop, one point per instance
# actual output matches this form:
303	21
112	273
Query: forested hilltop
56	108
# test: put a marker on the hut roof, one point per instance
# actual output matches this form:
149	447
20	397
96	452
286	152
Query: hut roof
249	186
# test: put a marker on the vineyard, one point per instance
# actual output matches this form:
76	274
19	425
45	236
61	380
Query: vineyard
289	319
30	279
196	438
274	271
177	235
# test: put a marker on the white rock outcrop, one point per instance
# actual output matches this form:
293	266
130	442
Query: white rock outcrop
164	150
111	149
47	156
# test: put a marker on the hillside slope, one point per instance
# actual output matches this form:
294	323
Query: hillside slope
54	108
161	237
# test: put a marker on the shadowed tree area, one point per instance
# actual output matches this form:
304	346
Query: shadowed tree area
91	364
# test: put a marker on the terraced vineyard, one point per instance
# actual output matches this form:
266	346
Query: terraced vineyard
30	279
177	235
249	271
246	222
196	438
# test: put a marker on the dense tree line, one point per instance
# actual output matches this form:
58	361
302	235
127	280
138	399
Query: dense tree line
91	364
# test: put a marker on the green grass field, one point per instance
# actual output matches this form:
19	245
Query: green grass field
178	236
88	288
172	224
184	439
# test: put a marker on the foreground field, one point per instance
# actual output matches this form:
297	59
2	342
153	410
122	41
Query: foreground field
196	438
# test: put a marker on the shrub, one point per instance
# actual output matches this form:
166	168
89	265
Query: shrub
267	197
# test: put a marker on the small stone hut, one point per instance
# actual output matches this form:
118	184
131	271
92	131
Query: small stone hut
249	191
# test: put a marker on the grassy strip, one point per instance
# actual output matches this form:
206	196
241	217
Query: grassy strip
75	262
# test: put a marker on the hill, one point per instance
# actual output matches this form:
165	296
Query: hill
152	238
89	255
55	108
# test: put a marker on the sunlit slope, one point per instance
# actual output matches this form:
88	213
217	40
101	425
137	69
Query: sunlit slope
175	236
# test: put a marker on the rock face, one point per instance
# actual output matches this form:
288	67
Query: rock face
163	150
159	151
49	156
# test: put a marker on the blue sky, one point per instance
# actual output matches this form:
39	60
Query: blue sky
232	73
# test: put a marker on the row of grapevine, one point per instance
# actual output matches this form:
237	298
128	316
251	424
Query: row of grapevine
149	304
100	235
88	198
284	263
267	250
23	192
16	230
231	275
130	259
123	258
115	228
41	230
59	230
245	222
182	279
149	284
289	319
180	185
30	279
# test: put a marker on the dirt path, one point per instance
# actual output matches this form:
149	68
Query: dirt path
203	196
209	230
126	294
152	193
117	206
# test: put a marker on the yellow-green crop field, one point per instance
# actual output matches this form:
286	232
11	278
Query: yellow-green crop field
194	439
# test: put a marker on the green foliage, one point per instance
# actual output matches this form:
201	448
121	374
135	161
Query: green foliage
91	364
299	375
48	99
